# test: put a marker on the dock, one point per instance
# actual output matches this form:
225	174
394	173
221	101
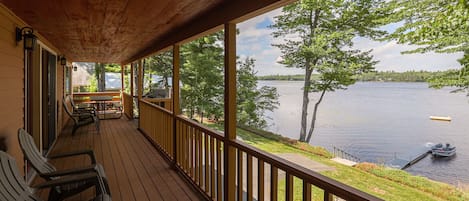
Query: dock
403	163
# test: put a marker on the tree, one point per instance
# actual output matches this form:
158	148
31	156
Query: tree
251	101
162	65
202	76
435	25
318	38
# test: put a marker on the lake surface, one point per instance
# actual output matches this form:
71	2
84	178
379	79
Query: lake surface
377	121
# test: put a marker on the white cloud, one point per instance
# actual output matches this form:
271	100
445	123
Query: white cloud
256	41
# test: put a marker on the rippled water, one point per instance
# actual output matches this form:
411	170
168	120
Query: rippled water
378	121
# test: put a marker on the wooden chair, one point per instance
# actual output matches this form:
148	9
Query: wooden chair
14	188
81	118
47	171
87	108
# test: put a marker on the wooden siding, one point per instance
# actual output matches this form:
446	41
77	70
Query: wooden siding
11	84
135	169
12	88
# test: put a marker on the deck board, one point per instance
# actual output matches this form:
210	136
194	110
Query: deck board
135	169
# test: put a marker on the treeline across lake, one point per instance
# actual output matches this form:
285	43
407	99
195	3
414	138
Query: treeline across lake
380	76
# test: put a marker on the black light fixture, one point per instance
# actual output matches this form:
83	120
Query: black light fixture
26	34
63	61
75	68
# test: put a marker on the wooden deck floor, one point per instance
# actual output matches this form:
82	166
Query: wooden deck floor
135	169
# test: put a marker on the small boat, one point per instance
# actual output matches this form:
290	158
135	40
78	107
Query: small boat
440	118
445	151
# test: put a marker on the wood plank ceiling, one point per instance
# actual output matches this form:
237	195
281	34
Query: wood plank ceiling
124	30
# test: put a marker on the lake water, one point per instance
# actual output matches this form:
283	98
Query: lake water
377	121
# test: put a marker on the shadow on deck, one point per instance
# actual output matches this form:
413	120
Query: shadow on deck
135	169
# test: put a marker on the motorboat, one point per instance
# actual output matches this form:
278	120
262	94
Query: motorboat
440	118
443	150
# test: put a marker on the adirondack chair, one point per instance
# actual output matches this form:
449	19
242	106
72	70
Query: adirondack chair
80	108
47	171
14	188
81	118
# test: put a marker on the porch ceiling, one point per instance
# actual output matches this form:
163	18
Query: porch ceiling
123	31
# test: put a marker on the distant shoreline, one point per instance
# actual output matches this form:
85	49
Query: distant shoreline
382	76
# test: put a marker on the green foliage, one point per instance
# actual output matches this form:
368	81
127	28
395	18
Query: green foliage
202	76
251	101
160	64
392	76
435	25
318	38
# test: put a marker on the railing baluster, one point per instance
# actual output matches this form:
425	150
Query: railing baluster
260	180
207	170
190	152
201	156
249	177
328	196
273	183
219	169
288	187
306	191
240	175
178	143
197	157
212	165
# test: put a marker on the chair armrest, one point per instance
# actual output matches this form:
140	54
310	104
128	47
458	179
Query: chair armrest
68	180
88	152
80	170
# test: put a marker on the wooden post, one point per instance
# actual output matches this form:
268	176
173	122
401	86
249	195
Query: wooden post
122	78
229	152
140	79
132	89
139	88
175	97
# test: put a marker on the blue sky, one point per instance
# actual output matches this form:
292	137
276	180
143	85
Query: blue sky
255	41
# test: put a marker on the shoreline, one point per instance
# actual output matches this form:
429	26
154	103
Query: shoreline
289	141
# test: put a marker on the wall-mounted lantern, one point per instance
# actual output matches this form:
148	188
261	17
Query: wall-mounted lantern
63	61
26	34
75	68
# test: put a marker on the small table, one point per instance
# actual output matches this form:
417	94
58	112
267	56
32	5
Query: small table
101	101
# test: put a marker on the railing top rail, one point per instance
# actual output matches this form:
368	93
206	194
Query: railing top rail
205	129
156	106
96	93
321	181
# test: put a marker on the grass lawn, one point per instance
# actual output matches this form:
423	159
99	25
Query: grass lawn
383	182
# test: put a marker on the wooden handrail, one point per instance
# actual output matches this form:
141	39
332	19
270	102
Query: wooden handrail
205	129
156	106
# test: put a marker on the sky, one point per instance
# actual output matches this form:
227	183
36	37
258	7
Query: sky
254	40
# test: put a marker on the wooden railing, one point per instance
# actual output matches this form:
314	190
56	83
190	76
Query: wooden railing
157	123
259	175
128	105
84	97
199	155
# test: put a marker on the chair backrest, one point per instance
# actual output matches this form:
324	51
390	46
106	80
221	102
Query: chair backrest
32	155
12	185
67	109
70	99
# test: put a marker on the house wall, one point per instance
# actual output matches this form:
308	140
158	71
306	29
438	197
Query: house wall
12	87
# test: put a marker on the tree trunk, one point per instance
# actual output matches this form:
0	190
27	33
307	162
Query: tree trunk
202	117
304	108
313	119
313	23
